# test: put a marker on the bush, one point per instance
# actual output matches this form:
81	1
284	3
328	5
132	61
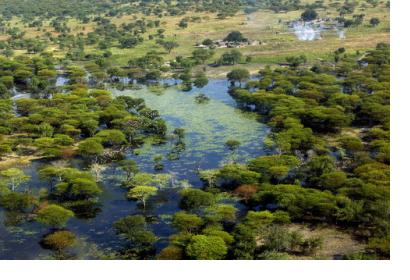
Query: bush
54	215
281	217
171	253
16	201
59	240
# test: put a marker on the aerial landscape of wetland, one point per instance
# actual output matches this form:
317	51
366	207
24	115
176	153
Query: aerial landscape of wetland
194	130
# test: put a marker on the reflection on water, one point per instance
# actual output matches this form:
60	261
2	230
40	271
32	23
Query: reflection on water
208	126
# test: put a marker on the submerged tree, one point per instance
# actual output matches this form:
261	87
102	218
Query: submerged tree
129	167
142	193
59	241
14	177
134	229
54	215
238	75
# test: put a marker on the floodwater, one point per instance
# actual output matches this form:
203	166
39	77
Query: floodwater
208	126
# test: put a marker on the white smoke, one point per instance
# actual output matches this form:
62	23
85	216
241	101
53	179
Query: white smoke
341	33
306	32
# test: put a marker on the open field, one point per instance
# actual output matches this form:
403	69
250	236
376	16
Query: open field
278	40
336	242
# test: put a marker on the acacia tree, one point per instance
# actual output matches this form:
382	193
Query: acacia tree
186	222
134	229
238	75
230	58
59	240
142	193
209	176
14	177
54	215
91	147
169	45
204	247
129	167
201	55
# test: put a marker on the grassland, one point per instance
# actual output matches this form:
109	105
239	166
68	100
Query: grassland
268	27
336	242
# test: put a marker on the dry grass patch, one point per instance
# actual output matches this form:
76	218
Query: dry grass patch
336	243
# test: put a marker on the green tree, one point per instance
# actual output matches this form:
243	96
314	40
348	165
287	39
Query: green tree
111	137
202	55
217	230
374	21
128	41
183	24
192	199
90	147
200	80
169	45
234	175
235	36
129	167
281	217
238	75
54	215
142	193
134	228
333	180
59	240
204	247
231	57
186	222
295	61
15	201
232	144
83	188
14	177
221	213
309	14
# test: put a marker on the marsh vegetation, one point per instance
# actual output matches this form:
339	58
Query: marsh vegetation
194	130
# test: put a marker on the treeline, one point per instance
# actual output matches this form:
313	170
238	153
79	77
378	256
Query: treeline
46	9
